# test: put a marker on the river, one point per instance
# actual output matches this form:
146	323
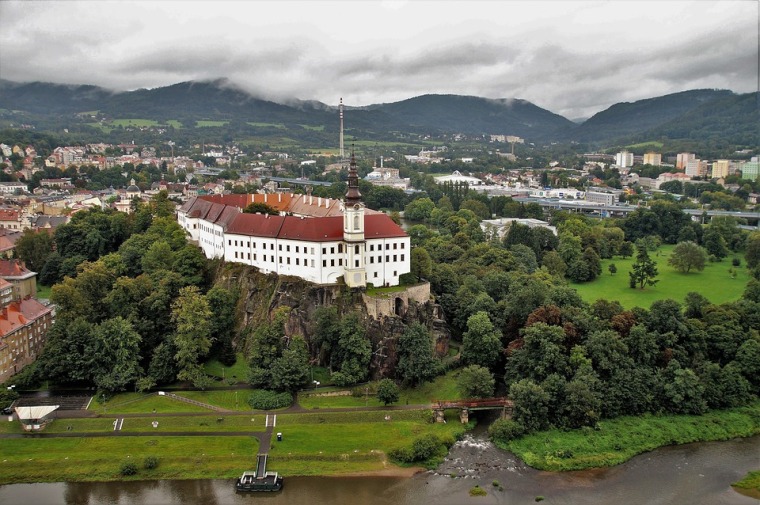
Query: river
688	474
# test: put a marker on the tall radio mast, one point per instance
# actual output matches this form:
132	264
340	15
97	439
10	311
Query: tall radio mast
340	108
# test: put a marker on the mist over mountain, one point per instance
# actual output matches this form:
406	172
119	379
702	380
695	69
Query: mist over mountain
693	114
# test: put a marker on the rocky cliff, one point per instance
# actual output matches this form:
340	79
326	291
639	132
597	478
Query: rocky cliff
386	316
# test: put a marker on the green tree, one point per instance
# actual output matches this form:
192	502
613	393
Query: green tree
291	370
644	269
192	317
542	353
158	256
116	351
387	392
481	343
353	352
715	243
419	209
222	303
687	256
34	248
261	208
612	268
416	363
475	381
752	253
531	405
421	264
266	348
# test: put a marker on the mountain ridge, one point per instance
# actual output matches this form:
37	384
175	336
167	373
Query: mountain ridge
675	114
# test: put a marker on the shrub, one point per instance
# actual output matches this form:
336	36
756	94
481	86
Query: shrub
736	262
128	469
504	430
150	463
422	448
477	491
269	400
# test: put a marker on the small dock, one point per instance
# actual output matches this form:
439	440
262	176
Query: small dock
261	465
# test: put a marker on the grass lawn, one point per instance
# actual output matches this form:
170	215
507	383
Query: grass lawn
651	144
237	371
144	424
618	440
137	403
226	399
350	442
442	388
264	125
174	123
43	291
99	459
714	282
206	123
313	444
313	128
133	122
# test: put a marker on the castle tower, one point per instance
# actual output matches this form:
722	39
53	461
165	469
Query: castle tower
353	231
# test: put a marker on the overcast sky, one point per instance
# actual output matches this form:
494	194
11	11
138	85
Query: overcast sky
573	58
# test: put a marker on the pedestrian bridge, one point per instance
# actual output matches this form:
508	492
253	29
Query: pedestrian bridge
465	406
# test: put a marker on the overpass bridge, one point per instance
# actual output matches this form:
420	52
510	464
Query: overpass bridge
601	210
465	406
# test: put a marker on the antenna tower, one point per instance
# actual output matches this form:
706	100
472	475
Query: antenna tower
340	108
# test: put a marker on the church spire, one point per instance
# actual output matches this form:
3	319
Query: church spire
353	196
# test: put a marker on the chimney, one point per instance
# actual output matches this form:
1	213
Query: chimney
279	197
381	162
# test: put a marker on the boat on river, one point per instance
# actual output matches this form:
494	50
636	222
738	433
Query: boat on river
259	480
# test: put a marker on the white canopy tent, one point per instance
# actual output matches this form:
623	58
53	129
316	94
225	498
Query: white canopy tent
34	417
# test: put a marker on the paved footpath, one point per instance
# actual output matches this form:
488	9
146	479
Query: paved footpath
263	436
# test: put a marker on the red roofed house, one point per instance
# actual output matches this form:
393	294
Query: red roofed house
24	280
316	239
23	326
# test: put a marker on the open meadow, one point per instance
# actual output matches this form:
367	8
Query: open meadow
715	282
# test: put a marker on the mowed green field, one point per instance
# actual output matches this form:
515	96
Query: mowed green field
134	122
313	444
714	282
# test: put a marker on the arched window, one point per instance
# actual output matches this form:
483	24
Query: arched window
356	223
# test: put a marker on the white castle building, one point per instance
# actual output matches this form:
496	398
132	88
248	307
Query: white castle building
317	239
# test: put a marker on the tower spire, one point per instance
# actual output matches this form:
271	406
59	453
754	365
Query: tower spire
340	108
353	196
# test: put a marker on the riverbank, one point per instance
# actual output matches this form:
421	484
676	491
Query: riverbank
616	441
209	447
749	485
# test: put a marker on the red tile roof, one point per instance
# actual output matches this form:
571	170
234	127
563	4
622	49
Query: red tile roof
20	313
13	268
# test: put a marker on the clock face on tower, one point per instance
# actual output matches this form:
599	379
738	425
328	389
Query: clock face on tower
357	206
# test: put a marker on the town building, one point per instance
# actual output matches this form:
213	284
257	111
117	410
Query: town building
24	281
600	197
751	169
696	168
500	227
24	325
720	169
624	159
652	158
683	158
317	239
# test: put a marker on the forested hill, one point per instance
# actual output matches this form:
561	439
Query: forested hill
628	118
696	115
471	114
